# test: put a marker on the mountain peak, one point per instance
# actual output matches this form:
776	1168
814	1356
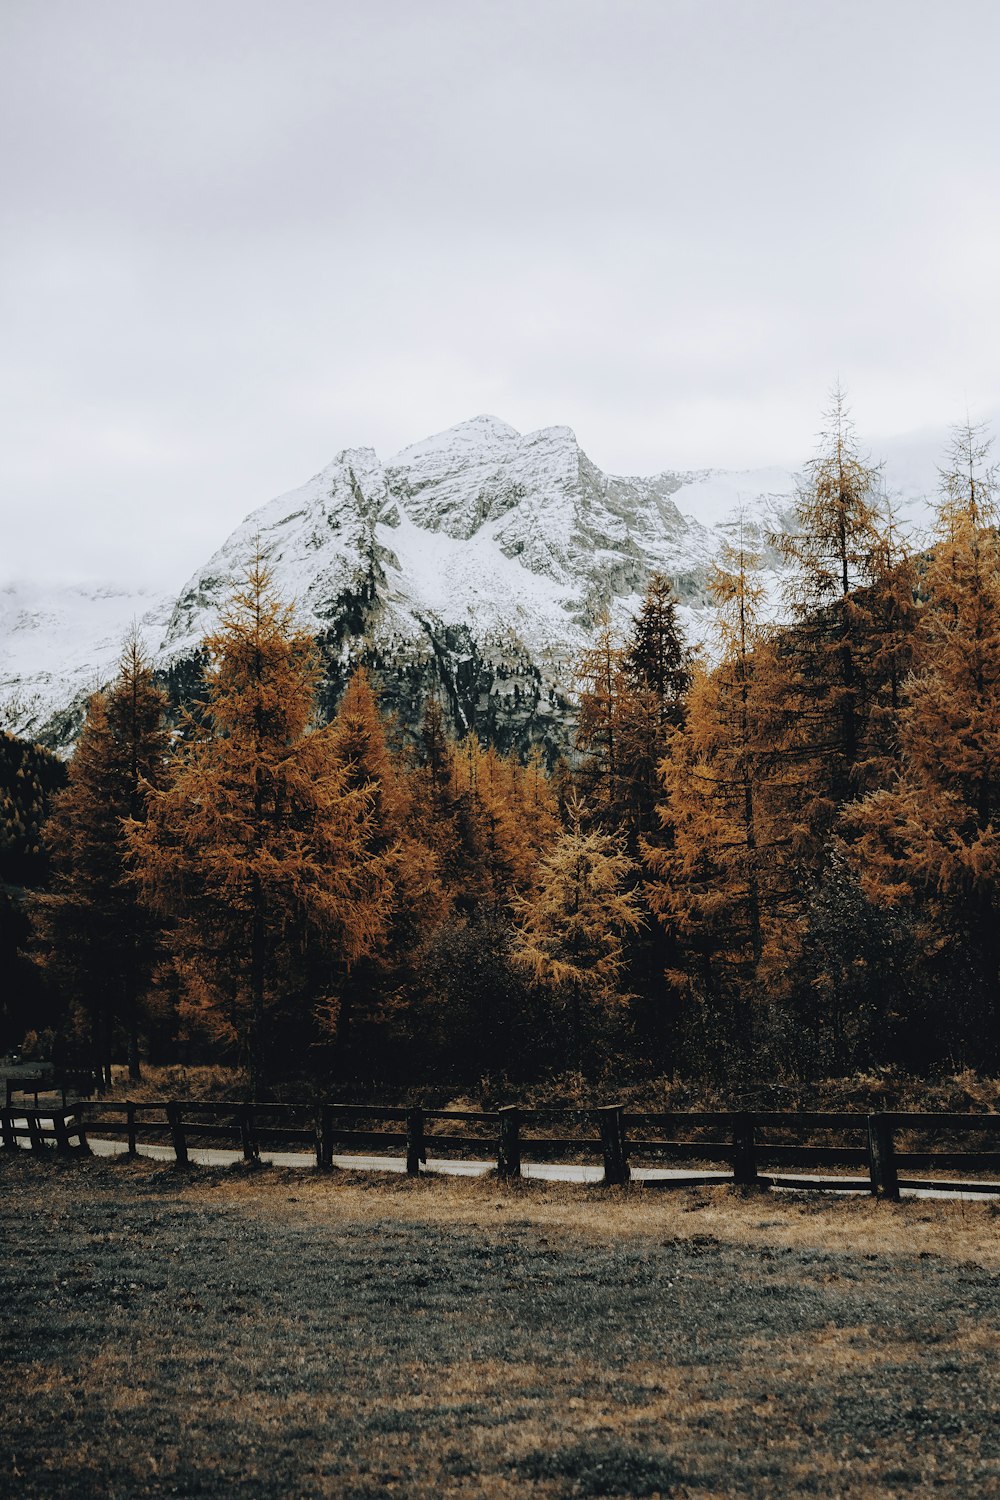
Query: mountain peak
477	435
473	562
486	424
560	433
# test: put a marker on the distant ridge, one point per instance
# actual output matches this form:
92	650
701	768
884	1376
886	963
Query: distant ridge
474	562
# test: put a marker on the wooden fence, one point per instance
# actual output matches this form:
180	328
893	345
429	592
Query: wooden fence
46	1080
879	1152
43	1129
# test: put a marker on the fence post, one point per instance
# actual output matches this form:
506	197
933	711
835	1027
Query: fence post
62	1134
744	1155
130	1126
416	1151
81	1131
248	1137
509	1153
325	1141
34	1130
177	1133
616	1170
882	1159
321	1138
9	1138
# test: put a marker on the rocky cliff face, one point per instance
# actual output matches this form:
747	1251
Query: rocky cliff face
474	564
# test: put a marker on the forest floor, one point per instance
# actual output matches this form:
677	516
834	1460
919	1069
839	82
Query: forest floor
272	1334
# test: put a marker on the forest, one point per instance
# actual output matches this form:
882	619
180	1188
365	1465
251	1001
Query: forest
775	859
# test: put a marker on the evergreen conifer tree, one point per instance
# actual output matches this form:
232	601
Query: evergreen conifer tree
417	902
435	753
259	849
29	777
718	878
931	839
601	682
656	658
823	686
891	605
657	672
571	934
99	941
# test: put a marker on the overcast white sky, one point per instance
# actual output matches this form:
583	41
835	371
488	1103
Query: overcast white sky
237	236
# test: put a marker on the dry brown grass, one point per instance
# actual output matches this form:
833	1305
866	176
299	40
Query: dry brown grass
177	1082
271	1334
959	1093
960	1231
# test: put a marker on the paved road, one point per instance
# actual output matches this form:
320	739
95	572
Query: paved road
544	1171
212	1156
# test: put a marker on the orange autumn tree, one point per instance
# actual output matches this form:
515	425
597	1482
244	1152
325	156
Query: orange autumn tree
496	817
259	850
536	803
518	811
719	880
416	902
489	819
432	803
929	842
571	935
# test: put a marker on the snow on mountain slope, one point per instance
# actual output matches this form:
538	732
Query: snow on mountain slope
714	494
479	528
476	562
315	537
60	644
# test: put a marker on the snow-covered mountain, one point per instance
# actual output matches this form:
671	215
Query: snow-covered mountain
476	561
59	643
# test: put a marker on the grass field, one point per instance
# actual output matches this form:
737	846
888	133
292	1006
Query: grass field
277	1334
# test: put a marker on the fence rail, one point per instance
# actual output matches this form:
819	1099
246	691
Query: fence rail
879	1146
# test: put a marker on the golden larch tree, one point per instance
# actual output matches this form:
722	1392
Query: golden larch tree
259	849
931	839
823	666
495	817
571	934
718	877
416	898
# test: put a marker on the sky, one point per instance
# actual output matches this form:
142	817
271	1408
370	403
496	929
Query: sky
237	237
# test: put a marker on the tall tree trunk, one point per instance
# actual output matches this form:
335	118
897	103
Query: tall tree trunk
97	1049
134	1064
663	955
130	1009
255	1036
576	1022
753	881
105	1046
